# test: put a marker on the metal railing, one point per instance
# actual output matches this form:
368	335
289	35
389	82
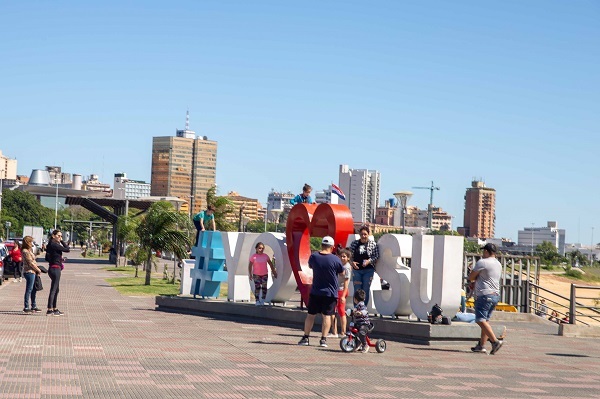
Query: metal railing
517	273
561	309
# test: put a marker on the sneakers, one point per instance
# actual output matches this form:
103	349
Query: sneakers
36	310
58	312
364	349
50	312
478	349
257	303
27	311
323	343
332	336
20	279
496	346
303	341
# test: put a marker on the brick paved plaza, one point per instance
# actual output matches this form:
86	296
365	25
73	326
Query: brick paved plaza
113	346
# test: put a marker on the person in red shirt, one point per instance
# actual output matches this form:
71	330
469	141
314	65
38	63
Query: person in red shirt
17	259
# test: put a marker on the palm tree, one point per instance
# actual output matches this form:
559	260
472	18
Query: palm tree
223	206
163	229
126	232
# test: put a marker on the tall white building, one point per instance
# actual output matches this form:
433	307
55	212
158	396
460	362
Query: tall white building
361	187
326	196
534	236
129	189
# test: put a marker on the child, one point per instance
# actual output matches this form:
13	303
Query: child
361	319
257	272
304	197
343	281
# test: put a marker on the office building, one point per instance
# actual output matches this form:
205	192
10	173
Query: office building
249	209
361	187
480	211
125	188
184	166
534	236
8	168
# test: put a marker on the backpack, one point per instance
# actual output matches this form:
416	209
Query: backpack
435	315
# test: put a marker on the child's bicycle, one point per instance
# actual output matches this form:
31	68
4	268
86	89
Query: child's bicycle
351	341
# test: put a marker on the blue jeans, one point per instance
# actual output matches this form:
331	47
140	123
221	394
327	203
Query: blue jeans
484	307
362	281
30	291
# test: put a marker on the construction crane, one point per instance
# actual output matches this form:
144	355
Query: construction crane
430	208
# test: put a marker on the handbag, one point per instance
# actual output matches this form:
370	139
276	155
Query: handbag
38	283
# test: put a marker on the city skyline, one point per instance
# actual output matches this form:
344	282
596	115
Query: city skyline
420	92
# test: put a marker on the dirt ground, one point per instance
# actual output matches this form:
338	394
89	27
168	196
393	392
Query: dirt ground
562	286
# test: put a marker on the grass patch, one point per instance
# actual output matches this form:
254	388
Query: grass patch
127	284
592	274
130	285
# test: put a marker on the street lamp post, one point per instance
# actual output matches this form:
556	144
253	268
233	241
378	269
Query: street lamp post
592	249
8	224
403	197
532	224
56	204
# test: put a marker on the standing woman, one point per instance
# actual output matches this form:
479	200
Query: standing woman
258	272
30	270
17	259
55	248
364	256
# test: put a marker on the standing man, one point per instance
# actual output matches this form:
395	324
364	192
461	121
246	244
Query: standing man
486	275
324	292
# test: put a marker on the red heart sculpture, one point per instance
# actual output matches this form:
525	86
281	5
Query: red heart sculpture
306	220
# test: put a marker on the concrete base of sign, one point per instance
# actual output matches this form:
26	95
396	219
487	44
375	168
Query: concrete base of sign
402	330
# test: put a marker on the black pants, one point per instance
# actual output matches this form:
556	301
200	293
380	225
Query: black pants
54	274
18	272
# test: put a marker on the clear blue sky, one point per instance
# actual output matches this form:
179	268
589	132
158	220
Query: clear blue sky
439	90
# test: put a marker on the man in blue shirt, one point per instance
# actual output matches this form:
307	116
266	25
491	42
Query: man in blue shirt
323	294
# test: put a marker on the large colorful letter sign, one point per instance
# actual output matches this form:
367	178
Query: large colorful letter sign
436	273
396	300
209	272
306	220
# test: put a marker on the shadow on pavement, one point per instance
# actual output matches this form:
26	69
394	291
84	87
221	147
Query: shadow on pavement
566	355
440	350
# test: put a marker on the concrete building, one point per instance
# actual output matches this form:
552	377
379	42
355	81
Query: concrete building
534	236
480	211
361	187
415	217
249	211
125	188
326	196
8	168
93	183
384	215
184	166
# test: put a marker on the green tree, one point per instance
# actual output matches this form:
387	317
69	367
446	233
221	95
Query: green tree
223	207
24	209
472	247
163	229
548	253
126	233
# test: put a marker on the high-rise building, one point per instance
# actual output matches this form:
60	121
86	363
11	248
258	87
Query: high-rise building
480	211
8	168
534	236
361	187
125	188
184	166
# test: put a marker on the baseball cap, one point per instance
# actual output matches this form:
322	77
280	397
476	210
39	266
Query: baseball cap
491	248
327	240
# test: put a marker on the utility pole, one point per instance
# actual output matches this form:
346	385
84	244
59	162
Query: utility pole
430	207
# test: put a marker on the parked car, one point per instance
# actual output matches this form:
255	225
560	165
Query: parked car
8	266
36	250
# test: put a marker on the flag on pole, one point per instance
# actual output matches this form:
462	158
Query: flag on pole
336	190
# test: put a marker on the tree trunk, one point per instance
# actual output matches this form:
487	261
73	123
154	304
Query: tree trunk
148	270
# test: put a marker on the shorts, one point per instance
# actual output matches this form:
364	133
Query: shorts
321	304
484	307
340	307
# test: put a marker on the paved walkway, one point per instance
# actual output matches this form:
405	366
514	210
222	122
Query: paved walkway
112	346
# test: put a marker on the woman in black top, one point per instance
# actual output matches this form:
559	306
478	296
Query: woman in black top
54	250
